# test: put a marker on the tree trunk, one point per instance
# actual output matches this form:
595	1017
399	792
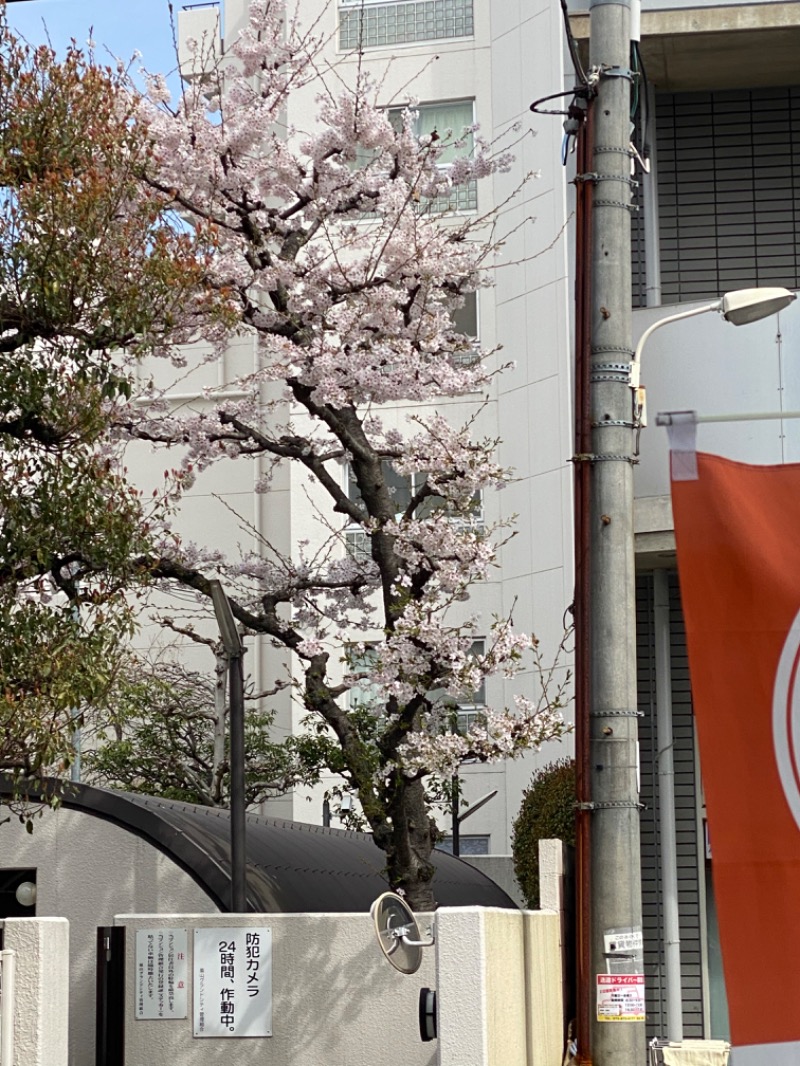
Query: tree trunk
409	845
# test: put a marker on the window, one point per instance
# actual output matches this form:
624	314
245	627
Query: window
366	694
473	710
369	695
456	116
457	717
469	844
465	318
449	120
402	488
465	321
373	23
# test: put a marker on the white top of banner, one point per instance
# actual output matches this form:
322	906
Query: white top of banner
682	434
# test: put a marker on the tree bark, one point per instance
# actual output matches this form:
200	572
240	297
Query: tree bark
408	843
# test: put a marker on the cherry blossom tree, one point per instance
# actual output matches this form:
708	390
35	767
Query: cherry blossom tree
339	252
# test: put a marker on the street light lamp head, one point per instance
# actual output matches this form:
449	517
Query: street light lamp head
749	305
225	620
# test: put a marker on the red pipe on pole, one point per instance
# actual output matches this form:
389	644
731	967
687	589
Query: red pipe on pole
582	482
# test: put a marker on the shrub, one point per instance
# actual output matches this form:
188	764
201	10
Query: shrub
547	813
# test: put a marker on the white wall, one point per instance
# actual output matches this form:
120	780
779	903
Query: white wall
533	309
41	989
706	364
336	1000
87	870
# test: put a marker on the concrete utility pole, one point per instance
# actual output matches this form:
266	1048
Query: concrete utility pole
616	866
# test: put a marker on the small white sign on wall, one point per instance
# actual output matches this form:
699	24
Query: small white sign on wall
161	974
233	981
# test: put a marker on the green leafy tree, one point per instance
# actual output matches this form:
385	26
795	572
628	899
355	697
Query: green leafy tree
165	733
92	265
547	813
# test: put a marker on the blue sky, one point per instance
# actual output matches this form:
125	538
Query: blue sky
120	26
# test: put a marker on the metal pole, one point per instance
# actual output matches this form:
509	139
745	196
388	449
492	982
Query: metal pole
652	229
616	861
238	858
666	807
455	800
234	648
218	754
583	979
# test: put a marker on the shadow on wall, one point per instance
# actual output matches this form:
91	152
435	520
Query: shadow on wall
331	1025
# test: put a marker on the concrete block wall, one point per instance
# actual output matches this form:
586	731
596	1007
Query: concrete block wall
41	996
498	987
336	1000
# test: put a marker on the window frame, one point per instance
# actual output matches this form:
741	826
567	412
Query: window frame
354	532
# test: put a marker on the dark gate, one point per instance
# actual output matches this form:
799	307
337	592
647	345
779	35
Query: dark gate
110	1027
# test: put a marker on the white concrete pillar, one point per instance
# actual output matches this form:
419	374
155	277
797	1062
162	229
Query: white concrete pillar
498	987
41	1014
461	987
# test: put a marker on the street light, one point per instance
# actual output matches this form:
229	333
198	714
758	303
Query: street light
739	307
234	649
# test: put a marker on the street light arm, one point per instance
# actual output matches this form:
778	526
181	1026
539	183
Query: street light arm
739	307
636	362
228	630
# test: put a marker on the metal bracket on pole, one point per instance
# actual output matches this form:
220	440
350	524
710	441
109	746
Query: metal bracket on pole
593	175
615	422
616	72
602	149
590	457
632	459
616	203
610	371
608	805
616	714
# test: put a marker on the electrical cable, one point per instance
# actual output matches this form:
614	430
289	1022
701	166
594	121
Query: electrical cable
645	104
574	114
556	96
634	81
573	46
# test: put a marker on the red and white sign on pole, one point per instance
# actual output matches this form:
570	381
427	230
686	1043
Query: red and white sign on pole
738	540
620	997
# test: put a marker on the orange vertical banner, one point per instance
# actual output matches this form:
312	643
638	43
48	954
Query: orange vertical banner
737	529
